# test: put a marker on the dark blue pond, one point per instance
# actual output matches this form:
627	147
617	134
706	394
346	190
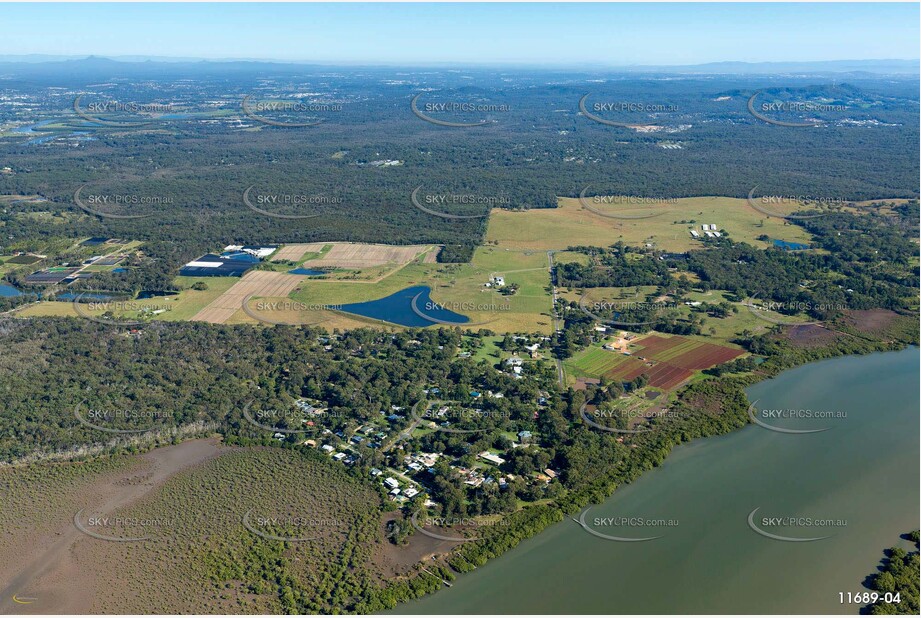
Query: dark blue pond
397	309
790	246
307	271
144	295
8	291
69	296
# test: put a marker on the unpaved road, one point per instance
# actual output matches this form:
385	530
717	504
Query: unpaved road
50	580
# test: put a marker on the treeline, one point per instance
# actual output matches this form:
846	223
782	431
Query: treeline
900	575
617	266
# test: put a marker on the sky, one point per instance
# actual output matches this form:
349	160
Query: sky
561	34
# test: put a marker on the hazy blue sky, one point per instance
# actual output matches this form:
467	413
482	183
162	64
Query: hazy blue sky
610	34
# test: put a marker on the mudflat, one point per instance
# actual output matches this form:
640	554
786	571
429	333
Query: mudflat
40	574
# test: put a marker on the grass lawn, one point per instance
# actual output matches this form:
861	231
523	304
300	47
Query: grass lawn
571	225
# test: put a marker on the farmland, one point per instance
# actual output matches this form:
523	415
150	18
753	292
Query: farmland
668	361
572	225
460	286
684	352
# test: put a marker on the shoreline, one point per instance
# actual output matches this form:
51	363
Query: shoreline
757	378
723	437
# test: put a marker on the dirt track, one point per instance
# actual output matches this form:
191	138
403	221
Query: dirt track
50	580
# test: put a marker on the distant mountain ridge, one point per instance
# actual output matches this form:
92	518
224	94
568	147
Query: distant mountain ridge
42	63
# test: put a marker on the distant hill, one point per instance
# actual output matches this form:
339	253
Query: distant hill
37	65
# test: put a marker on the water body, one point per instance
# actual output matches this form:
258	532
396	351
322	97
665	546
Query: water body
71	296
790	246
397	309
863	470
37	129
8	291
307	271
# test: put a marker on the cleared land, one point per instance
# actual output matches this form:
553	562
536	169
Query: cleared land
262	283
668	361
572	225
685	353
296	251
359	255
458	287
